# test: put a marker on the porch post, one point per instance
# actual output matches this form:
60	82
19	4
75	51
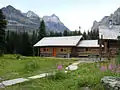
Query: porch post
33	51
100	47
38	51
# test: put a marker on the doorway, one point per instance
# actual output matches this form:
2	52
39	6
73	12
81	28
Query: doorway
54	52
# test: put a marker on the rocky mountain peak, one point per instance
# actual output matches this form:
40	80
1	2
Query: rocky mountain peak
52	18
10	7
53	15
114	17
31	14
30	21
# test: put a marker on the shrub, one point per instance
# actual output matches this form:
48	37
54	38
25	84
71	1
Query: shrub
118	59
31	66
59	75
1	53
18	56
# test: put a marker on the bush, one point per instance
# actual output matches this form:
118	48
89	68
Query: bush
31	66
118	59
18	56
1	53
60	75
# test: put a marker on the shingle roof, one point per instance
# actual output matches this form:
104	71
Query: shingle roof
88	43
59	41
109	33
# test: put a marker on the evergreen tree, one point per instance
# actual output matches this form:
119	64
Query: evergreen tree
65	33
26	46
34	37
20	43
42	30
89	35
7	41
3	24
51	34
84	35
79	32
75	33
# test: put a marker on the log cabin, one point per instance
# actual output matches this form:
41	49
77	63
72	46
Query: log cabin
67	46
88	48
58	46
109	38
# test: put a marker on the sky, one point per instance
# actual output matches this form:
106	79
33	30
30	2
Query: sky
73	13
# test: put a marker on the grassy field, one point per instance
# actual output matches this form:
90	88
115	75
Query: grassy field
88	75
15	66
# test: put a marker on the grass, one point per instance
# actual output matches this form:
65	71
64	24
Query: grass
15	66
88	75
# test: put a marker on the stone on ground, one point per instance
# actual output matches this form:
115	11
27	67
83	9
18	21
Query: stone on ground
14	81
111	83
38	76
72	67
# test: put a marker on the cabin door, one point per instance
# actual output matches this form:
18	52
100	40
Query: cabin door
54	52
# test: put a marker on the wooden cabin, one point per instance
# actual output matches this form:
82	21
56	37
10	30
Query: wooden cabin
88	48
109	38
58	46
67	46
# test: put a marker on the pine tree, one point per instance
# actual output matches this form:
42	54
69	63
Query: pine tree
42	30
79	32
26	45
75	33
84	35
65	33
51	34
34	37
89	35
3	24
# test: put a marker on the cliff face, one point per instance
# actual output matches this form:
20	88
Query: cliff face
115	18
18	21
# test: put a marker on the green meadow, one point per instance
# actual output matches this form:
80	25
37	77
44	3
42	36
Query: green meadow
87	75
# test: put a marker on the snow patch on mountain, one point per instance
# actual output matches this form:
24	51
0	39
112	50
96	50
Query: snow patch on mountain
31	14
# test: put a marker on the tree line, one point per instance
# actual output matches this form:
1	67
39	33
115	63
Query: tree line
22	42
91	35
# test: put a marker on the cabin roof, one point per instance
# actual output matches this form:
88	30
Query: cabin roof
88	43
109	32
59	41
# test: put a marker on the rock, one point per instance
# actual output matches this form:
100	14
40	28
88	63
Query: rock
1	78
85	88
39	76
111	83
72	67
2	85
14	81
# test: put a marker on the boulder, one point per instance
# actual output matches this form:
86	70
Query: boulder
111	83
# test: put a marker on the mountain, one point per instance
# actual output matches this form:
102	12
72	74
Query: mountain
115	18
53	23
19	21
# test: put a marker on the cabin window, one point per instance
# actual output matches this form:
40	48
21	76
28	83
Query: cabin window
44	49
61	50
86	49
